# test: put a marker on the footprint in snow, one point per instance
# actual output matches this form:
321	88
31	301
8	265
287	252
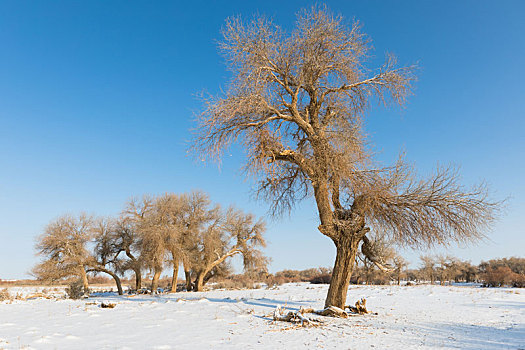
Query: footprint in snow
44	339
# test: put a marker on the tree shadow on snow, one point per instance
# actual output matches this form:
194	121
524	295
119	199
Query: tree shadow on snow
473	337
190	297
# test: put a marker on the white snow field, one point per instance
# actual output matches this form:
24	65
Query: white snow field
409	317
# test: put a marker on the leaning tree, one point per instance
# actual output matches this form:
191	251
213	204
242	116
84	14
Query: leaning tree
296	103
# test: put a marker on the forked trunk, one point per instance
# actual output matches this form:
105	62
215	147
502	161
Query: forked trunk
155	281
199	282
187	274
344	263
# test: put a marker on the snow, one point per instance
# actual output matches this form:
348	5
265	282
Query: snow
409	317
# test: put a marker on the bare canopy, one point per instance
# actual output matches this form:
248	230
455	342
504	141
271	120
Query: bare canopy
296	103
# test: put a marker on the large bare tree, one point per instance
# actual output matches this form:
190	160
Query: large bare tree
296	103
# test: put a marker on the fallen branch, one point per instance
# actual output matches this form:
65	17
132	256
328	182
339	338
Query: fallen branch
359	308
299	318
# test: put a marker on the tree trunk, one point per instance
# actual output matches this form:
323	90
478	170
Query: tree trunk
138	279
174	277
199	282
187	274
189	286
83	276
117	281
344	262
155	281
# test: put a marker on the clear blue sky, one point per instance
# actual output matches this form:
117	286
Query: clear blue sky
97	98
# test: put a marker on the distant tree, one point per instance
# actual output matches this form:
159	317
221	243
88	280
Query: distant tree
296	103
106	250
500	272
227	235
428	267
198	215
64	248
151	242
170	211
126	239
400	265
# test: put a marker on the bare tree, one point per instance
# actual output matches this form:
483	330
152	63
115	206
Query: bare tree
170	211
106	250
63	245
126	239
225	236
151	242
400	265
198	215
296	102
428	267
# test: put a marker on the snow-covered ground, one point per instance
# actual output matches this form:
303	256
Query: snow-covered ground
409	317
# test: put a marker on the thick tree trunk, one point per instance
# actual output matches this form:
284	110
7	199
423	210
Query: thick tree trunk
344	263
187	274
85	283
155	280
174	277
199	282
189	285
138	279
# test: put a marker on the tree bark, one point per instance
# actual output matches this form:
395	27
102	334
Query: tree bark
187	274
189	285
138	279
117	281
83	276
344	262
174	277
155	280
199	282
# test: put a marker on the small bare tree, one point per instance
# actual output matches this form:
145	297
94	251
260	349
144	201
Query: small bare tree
428	267
64	248
400	265
296	102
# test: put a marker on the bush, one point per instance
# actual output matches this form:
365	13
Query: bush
4	295
321	279
75	290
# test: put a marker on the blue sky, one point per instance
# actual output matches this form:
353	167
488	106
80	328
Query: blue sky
97	101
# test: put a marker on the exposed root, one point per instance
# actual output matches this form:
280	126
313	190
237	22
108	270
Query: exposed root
299	318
